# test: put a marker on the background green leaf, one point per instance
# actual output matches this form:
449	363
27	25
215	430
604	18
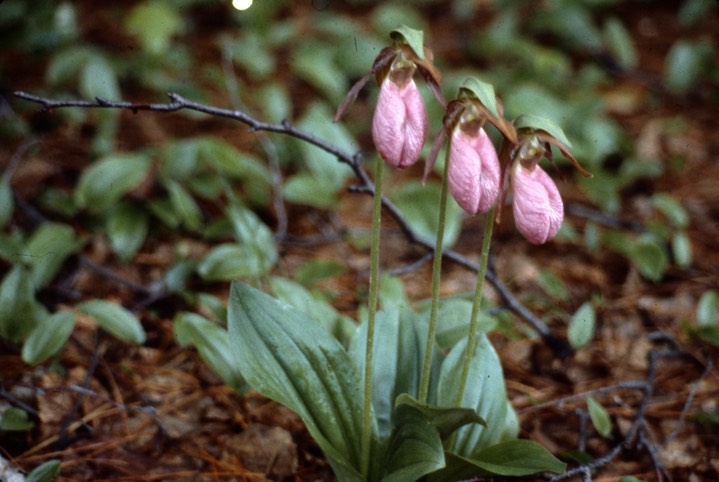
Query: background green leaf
600	417
45	472
47	249
15	420
213	344
581	327
48	337
112	317
109	178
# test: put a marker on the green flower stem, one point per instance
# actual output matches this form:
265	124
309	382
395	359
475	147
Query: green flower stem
372	311
474	320
436	275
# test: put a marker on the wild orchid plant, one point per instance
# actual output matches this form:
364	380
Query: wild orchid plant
392	407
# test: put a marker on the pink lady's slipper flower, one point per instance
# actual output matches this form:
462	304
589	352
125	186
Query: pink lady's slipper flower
473	171
399	127
537	205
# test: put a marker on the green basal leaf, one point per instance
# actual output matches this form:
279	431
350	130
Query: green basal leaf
392	292
415	448
213	344
297	296
484	92
682	249
288	357
47	249
48	337
446	420
15	420
531	121
581	327
455	314
486	394
127	227
17	305
184	206
398	360
420	206
108	179
649	258
413	38
115	319
45	472
708	309
6	202
517	458
600	417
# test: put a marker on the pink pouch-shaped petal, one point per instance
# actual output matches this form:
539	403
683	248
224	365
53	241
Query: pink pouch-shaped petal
399	127
473	173
537	205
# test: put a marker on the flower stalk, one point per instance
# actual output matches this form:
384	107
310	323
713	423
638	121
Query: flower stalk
371	316
476	305
436	275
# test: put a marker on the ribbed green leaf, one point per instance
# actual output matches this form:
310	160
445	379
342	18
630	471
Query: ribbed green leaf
398	356
415	447
446	420
513	458
486	394
290	358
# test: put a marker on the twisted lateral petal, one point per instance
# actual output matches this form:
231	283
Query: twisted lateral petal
473	171
537	205
399	127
